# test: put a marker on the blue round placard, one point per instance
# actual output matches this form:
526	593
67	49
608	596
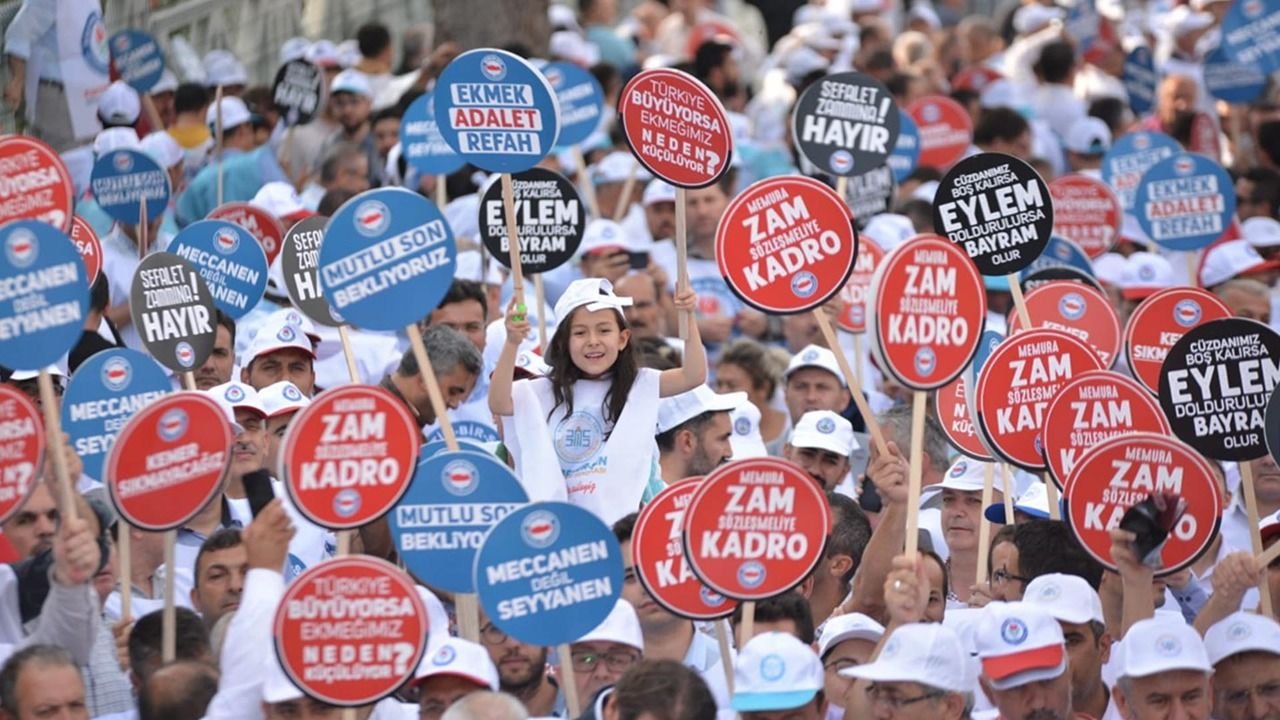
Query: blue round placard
1139	76
122	179
420	140
1231	81
230	261
1057	253
105	391
581	101
138	58
1185	202
906	151
1249	35
468	431
1131	155
44	295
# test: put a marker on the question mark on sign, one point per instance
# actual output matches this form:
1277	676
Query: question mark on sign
404	653
713	161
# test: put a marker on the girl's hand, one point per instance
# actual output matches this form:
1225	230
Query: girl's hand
686	300
517	322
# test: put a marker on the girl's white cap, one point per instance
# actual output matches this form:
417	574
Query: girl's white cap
592	293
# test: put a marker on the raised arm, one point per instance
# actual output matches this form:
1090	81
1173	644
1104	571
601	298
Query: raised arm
500	384
694	371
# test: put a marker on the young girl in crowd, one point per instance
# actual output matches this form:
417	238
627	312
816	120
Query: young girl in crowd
585	432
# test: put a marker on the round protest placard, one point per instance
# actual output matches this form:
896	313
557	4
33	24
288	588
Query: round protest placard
1230	81
169	460
1157	323
550	220
348	457
987	344
1056	273
1130	156
1093	407
945	130
44	295
853	312
676	127
1271	419
906	152
1077	310
435	447
998	209
34	183
262	225
786	244
138	59
88	245
421	143
296	91
871	193
1086	212
229	260
1249	34
452	502
351	630
172	308
387	259
1123	471
929	308
1016	385
581	100
846	124
1059	254
123	179
300	265
1214	387
953	415
105	391
496	110
476	432
548	573
658	553
21	448
756	528
1185	202
1140	77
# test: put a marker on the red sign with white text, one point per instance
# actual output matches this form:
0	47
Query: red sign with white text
1016	385
259	223
929	307
756	528
957	424
351	630
676	127
786	244
1156	324
946	131
1121	472
169	460
1087	212
34	183
89	245
658	552
853	313
1091	408
349	456
1075	309
21	448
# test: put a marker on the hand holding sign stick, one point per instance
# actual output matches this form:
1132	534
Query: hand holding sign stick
513	248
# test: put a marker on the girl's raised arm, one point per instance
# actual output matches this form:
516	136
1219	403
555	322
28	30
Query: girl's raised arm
500	384
694	371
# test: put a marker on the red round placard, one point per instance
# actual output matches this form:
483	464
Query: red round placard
853	314
957	424
756	528
658	553
89	245
1121	472
929	306
169	461
262	225
946	131
21	448
676	127
1093	407
34	183
786	244
349	456
351	630
1075	309
1156	324
1087	212
1016	385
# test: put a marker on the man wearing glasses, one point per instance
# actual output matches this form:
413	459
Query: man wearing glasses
1245	651
602	656
847	641
917	652
522	670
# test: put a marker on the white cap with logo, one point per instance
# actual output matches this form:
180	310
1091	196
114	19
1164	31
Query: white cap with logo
824	430
119	104
746	440
282	398
234	113
234	396
459	658
850	626
1242	632
1261	232
275	336
965	475
927	653
1019	643
591	293
679	409
775	671
816	357
1068	598
622	625
1160	644
1230	259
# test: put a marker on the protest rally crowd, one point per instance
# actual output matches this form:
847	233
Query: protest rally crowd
860	359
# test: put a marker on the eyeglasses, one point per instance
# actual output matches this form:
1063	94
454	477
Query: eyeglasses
1239	699
618	661
888	699
1002	576
491	635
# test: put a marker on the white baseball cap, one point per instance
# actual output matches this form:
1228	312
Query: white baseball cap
1019	643
850	626
1231	259
965	475
658	191
1030	18
222	68
621	626
1131	230
234	396
282	398
1034	501
1088	136
1068	598
676	410
322	53
460	658
274	336
889	230
602	234
295	48
926	653
351	81
281	200
162	148
591	293
816	357
1162	643
54	371
119	104
234	113
775	671
616	167
116	138
824	430
1184	19
1145	274
1108	268
746	440
1242	632
1261	232
168	82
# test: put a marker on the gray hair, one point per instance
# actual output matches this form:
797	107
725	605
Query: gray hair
486	705
896	423
1244	285
447	349
32	655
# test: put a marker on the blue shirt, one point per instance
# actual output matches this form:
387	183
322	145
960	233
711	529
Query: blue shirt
243	174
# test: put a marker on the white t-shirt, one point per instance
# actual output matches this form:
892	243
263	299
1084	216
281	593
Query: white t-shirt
119	262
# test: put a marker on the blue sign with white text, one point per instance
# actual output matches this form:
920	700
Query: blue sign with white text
1139	75
1059	252
420	140
123	179
1249	33
229	259
453	501
138	58
581	101
105	391
468	430
1230	81
44	295
1131	155
1185	202
906	151
548	573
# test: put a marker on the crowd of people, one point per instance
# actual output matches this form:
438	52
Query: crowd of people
1042	631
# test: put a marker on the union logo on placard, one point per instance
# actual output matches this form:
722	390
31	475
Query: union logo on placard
1062	250
1252	8
710	597
1014	631
1141	141
372	218
540	529
234	394
493	67
1184	165
1187	313
122	44
554	76
742	426
21	248
1072	306
841	161
578	437
116	374
346	503
226	240
123	161
444	657
185	354
926	361
751	574
459	478
804	284
173	425
930	113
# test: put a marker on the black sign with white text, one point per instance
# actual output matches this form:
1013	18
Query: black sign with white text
172	308
998	209
846	124
550	220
